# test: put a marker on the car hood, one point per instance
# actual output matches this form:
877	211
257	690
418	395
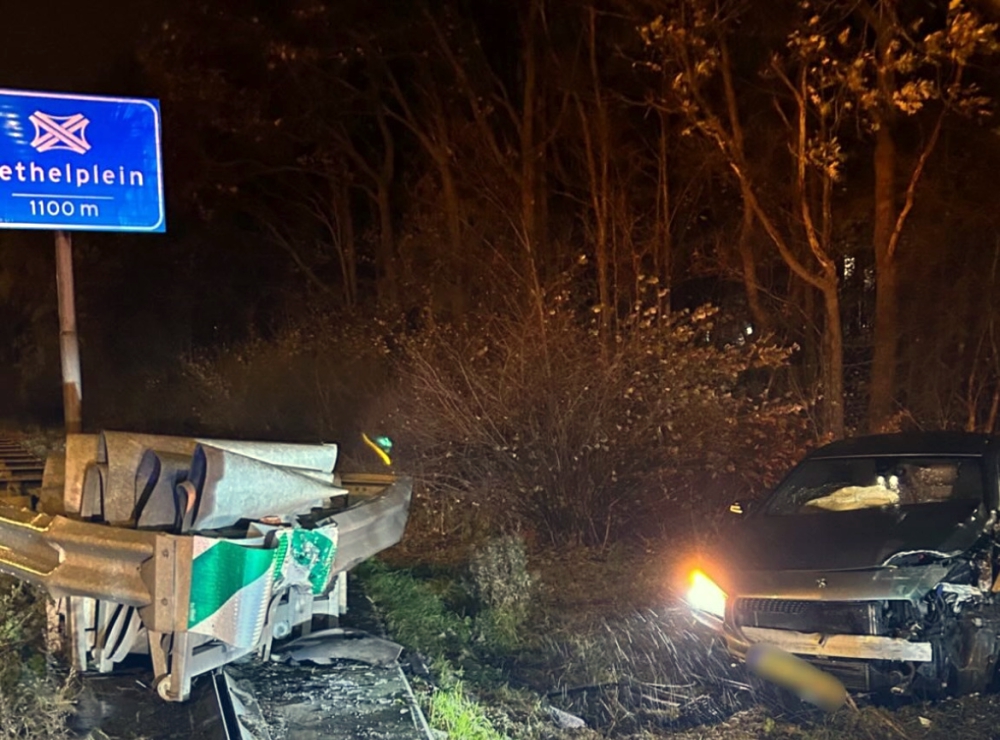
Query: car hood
853	539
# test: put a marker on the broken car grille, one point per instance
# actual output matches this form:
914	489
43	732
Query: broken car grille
835	617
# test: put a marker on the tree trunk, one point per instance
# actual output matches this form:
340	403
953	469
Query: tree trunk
347	249
598	158
529	161
833	367
883	373
386	267
457	290
664	249
744	245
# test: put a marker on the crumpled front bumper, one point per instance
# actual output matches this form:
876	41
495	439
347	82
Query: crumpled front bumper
816	644
854	647
861	662
871	585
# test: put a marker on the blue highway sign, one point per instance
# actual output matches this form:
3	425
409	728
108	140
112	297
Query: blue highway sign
80	163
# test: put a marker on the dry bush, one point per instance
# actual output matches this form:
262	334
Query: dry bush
510	424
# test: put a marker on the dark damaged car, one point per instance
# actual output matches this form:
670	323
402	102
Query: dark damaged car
876	560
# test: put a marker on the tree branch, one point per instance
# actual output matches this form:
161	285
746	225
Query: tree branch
911	187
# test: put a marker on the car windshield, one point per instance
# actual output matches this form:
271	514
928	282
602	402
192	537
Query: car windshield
849	484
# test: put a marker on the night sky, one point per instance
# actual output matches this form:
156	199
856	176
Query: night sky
72	46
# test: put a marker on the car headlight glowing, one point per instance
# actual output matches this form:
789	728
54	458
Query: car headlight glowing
705	595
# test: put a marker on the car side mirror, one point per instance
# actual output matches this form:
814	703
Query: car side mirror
741	508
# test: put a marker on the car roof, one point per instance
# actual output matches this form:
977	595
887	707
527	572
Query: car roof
907	443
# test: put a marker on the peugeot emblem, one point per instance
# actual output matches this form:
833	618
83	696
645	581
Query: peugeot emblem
821	583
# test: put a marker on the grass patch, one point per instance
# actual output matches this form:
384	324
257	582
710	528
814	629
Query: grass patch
415	611
454	712
469	618
418	615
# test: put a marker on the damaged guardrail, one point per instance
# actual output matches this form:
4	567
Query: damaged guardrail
194	552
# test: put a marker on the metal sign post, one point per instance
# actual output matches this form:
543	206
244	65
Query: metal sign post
69	347
81	163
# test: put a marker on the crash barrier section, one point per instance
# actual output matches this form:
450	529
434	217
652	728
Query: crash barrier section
19	468
194	552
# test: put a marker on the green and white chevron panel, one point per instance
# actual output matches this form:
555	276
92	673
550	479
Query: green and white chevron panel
232	581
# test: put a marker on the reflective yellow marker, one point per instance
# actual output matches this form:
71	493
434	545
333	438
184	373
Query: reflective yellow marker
382	450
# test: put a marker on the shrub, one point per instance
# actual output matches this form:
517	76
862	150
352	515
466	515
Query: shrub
503	585
509	423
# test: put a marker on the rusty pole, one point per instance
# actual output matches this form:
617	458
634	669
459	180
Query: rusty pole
69	347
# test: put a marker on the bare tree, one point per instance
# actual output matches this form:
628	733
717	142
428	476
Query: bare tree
903	68
597	142
694	53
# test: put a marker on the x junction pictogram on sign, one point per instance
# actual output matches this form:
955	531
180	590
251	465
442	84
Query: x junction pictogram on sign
60	132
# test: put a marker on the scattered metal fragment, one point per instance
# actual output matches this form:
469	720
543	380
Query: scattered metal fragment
327	646
336	702
565	720
239	710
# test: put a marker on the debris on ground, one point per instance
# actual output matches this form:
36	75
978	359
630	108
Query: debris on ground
327	646
565	720
342	701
